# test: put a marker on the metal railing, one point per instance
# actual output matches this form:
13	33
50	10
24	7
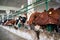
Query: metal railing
37	3
25	10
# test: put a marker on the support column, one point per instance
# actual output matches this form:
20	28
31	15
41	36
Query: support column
32	10
46	5
2	18
7	11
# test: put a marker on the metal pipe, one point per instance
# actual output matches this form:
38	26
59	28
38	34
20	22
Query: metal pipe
46	5
33	7
30	5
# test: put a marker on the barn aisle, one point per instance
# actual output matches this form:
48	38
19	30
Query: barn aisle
6	35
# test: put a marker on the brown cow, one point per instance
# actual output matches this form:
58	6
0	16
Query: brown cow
41	19
53	16
11	22
33	17
46	17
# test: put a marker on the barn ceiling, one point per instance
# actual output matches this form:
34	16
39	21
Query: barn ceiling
12	3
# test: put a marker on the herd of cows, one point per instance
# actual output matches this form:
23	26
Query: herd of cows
46	20
43	19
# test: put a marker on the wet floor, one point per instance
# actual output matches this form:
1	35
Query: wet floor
6	35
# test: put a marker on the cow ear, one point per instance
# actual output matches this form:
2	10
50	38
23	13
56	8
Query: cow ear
51	9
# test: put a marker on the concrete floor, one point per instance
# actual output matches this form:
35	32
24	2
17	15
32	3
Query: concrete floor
6	35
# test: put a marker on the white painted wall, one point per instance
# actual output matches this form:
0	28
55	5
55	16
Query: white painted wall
8	8
58	1
32	10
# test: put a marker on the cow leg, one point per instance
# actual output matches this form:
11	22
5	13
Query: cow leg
37	33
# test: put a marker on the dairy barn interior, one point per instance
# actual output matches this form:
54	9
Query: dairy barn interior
29	19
